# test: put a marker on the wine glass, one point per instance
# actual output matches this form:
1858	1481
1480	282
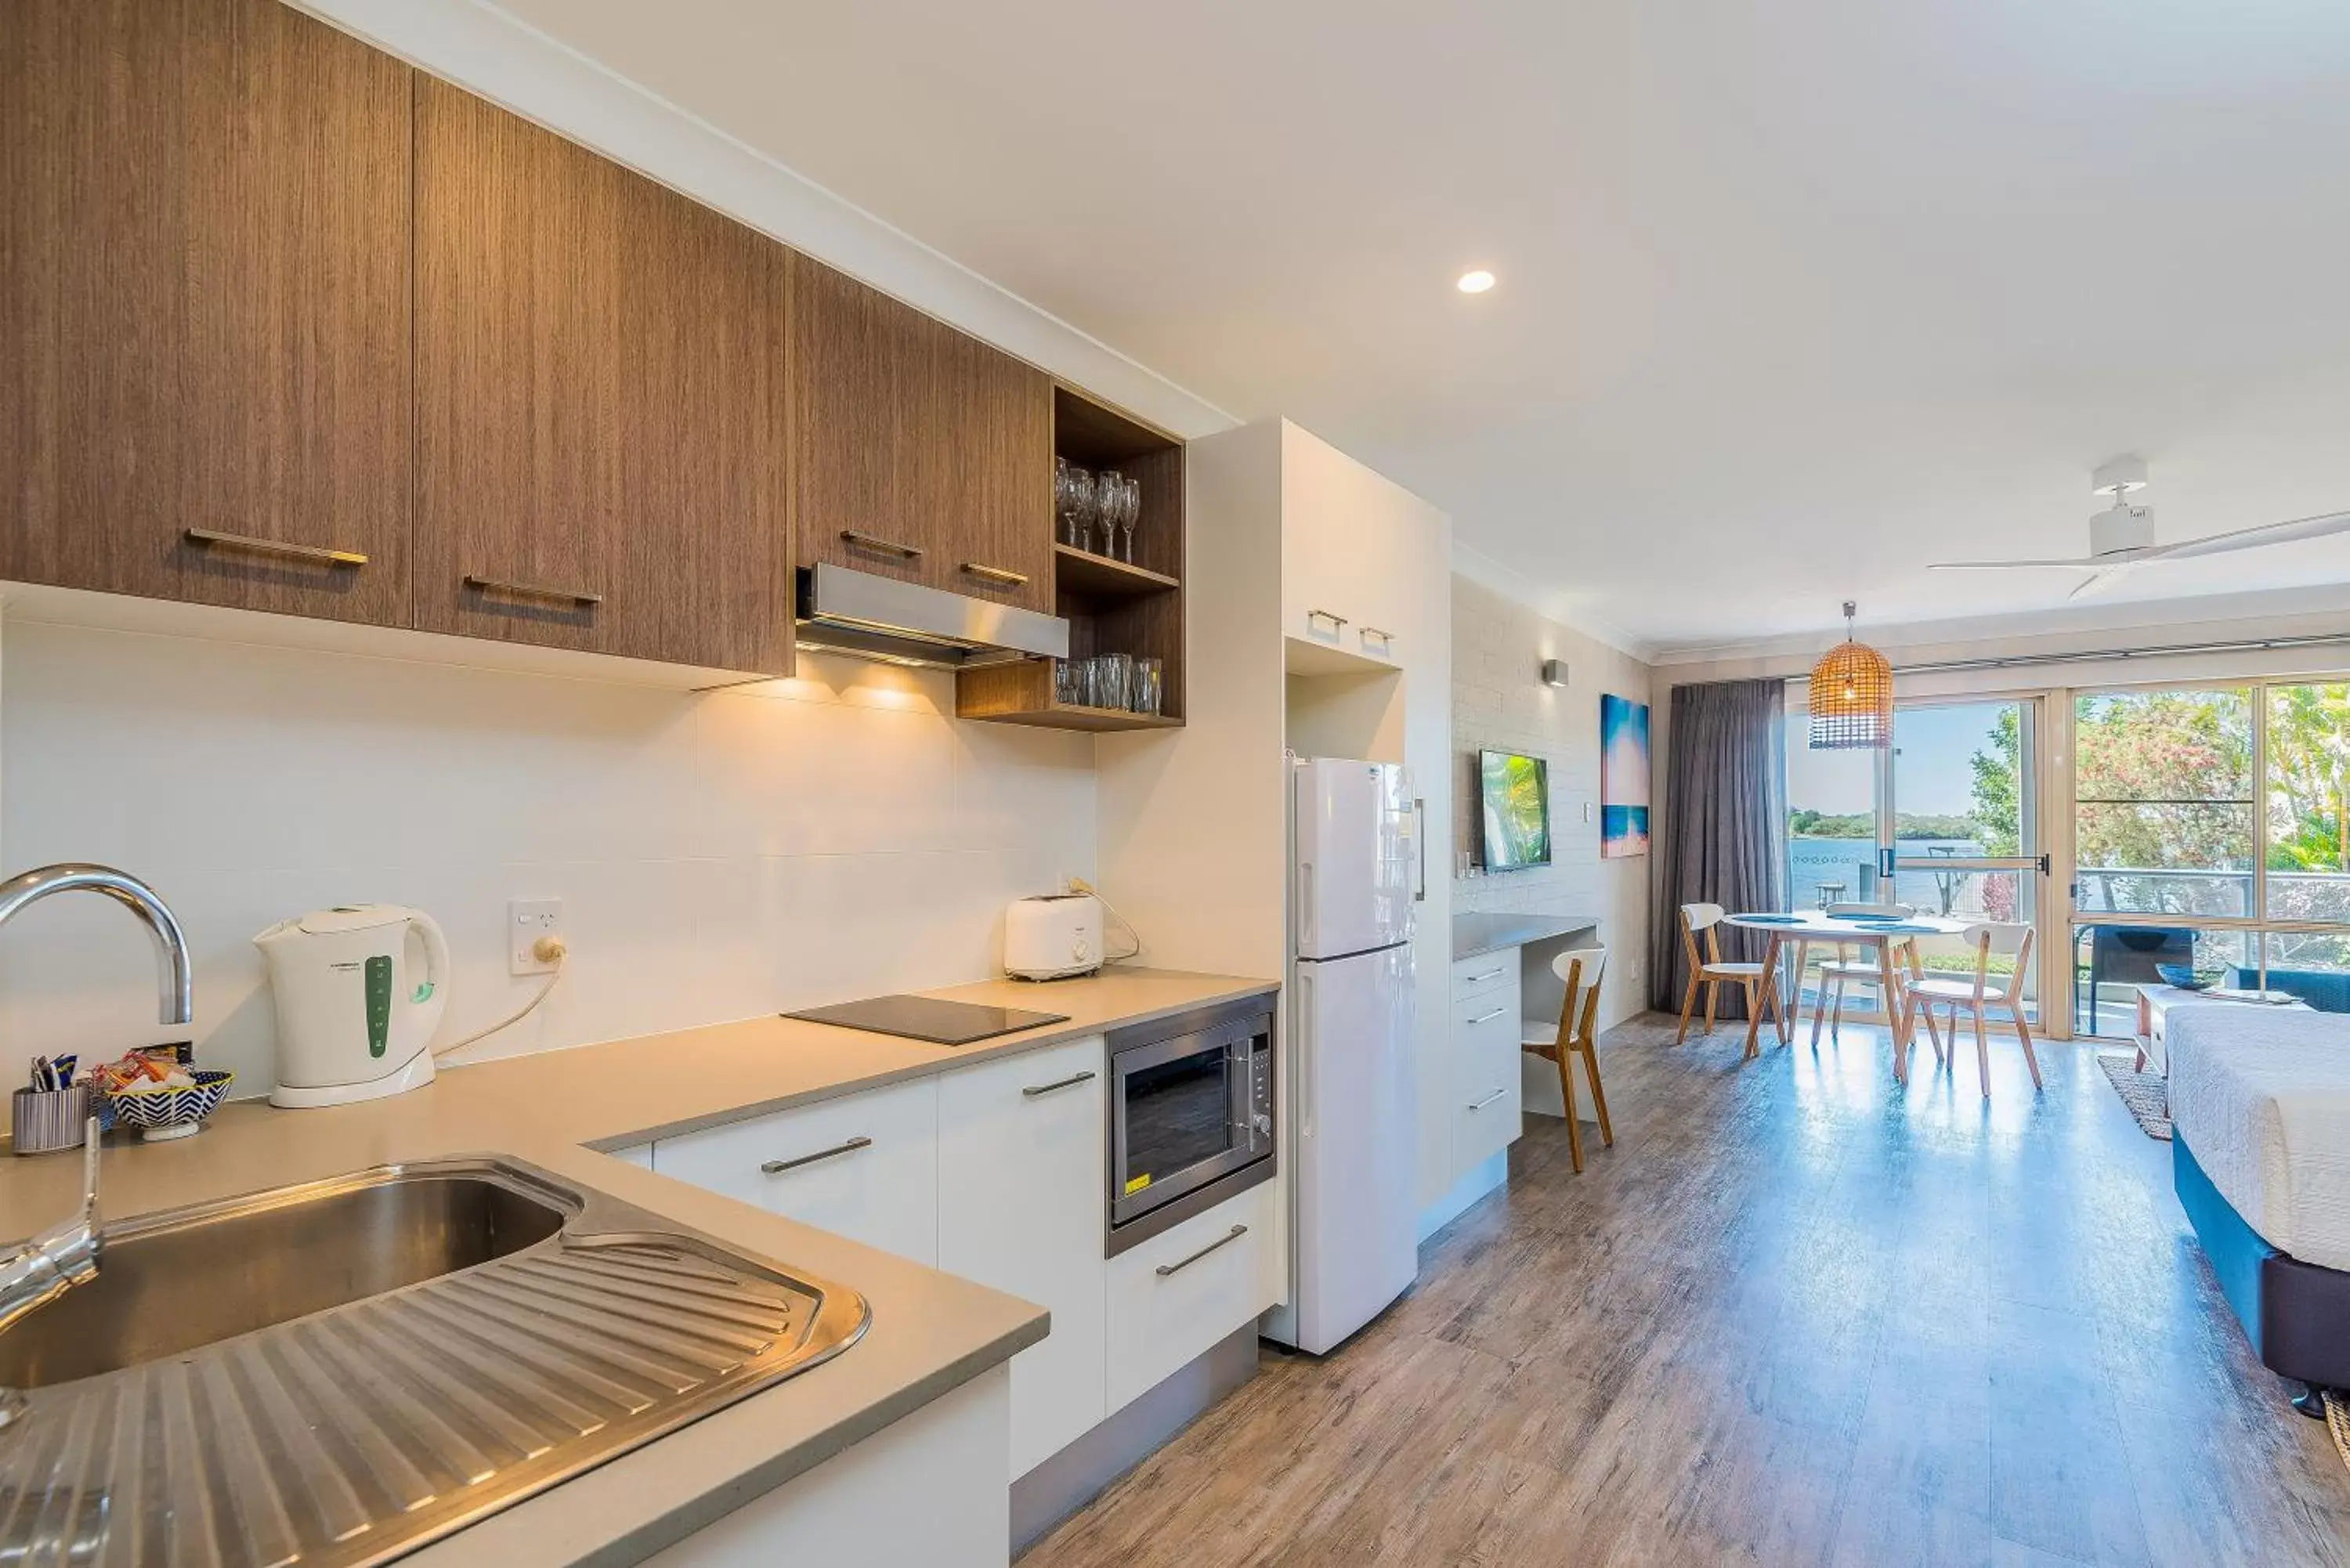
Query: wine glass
1082	502
1133	513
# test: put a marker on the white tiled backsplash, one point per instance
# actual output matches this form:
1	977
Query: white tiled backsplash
718	855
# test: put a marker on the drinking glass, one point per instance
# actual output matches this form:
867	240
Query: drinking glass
1114	679
1133	511
1150	692
1110	498
1079	500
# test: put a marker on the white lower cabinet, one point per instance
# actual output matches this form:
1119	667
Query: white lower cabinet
1023	1206
864	1166
1488	1094
1173	1296
915	1494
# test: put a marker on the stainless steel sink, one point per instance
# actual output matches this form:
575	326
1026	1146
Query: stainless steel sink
200	1276
340	1372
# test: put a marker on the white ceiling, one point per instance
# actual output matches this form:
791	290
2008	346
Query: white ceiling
1794	297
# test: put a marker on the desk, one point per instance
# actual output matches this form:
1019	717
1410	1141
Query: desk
1811	926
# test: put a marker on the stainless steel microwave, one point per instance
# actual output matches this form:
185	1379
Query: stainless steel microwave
1190	1115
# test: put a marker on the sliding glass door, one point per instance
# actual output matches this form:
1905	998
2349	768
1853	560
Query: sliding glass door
1948	822
2210	832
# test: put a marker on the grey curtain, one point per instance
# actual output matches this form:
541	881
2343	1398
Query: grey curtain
1724	837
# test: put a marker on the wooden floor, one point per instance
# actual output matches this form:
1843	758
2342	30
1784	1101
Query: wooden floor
1793	1317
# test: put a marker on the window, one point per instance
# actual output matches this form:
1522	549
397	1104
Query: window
2163	792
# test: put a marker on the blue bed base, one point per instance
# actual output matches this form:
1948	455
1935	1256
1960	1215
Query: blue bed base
2296	1314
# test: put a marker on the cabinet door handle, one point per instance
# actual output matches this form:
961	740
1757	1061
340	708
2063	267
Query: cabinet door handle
885	546
777	1166
1482	979
1481	1105
1009	578
1036	1089
1488	1017
1335	620
482	585
1387	638
1226	1240
317	555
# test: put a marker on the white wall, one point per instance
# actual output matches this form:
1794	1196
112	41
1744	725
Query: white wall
1499	700
718	855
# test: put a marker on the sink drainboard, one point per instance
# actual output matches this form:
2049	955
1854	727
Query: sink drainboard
357	1434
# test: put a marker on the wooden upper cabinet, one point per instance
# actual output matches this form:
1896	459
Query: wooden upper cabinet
918	453
600	375
205	306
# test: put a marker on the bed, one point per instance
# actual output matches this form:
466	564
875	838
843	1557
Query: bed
2260	1109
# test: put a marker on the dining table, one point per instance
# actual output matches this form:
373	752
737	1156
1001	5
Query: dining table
1883	932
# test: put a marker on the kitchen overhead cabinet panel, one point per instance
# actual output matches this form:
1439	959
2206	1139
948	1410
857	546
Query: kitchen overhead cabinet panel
918	453
599	395
205	307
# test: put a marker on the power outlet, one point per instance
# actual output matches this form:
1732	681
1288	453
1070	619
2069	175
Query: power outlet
528	920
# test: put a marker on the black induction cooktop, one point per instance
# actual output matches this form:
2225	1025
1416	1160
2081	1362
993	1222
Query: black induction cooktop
928	1018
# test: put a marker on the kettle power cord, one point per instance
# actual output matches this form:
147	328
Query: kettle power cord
546	950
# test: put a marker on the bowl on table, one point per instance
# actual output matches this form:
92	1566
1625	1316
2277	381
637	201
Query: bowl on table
160	1112
2181	976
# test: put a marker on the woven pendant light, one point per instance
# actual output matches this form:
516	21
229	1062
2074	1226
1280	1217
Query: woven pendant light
1852	696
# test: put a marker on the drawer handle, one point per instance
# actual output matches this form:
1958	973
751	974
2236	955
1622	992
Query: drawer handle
885	546
777	1166
1009	578
1335	620
1489	1099
1226	1240
531	590
1482	979
319	555
1037	1089
1488	1017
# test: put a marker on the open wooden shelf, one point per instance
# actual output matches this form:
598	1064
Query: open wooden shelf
1066	716
1079	571
1112	607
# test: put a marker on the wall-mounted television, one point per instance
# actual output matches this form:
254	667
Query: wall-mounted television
1514	792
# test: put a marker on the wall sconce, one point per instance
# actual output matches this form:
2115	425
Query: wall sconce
1553	672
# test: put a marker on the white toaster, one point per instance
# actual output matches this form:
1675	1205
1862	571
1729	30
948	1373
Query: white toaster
1053	936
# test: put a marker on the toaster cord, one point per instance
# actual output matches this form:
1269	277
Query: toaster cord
546	950
1079	885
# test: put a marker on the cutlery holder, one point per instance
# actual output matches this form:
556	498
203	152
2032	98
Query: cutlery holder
43	1121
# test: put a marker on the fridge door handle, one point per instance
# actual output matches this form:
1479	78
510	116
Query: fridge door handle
1420	835
1304	1034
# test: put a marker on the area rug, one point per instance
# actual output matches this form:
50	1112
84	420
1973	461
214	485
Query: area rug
2147	1094
2337	1422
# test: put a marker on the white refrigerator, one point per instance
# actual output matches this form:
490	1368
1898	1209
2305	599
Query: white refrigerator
1354	869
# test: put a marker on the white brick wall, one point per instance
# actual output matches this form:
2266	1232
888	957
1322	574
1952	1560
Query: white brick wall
1499	701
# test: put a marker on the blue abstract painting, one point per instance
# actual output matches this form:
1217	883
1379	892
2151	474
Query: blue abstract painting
1623	778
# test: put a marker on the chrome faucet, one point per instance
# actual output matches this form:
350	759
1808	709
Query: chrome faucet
43	1269
59	1258
177	977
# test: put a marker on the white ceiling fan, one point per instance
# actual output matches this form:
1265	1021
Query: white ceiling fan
2122	536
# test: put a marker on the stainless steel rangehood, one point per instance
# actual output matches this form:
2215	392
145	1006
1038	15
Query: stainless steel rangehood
869	616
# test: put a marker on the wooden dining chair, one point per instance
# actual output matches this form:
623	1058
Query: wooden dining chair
1975	995
1845	969
1707	968
1578	1034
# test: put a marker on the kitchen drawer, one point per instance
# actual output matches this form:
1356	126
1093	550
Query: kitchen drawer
1022	1204
1484	975
1486	1008
1487	1099
1175	1295
864	1166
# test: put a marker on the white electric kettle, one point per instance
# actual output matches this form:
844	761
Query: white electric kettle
354	1019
